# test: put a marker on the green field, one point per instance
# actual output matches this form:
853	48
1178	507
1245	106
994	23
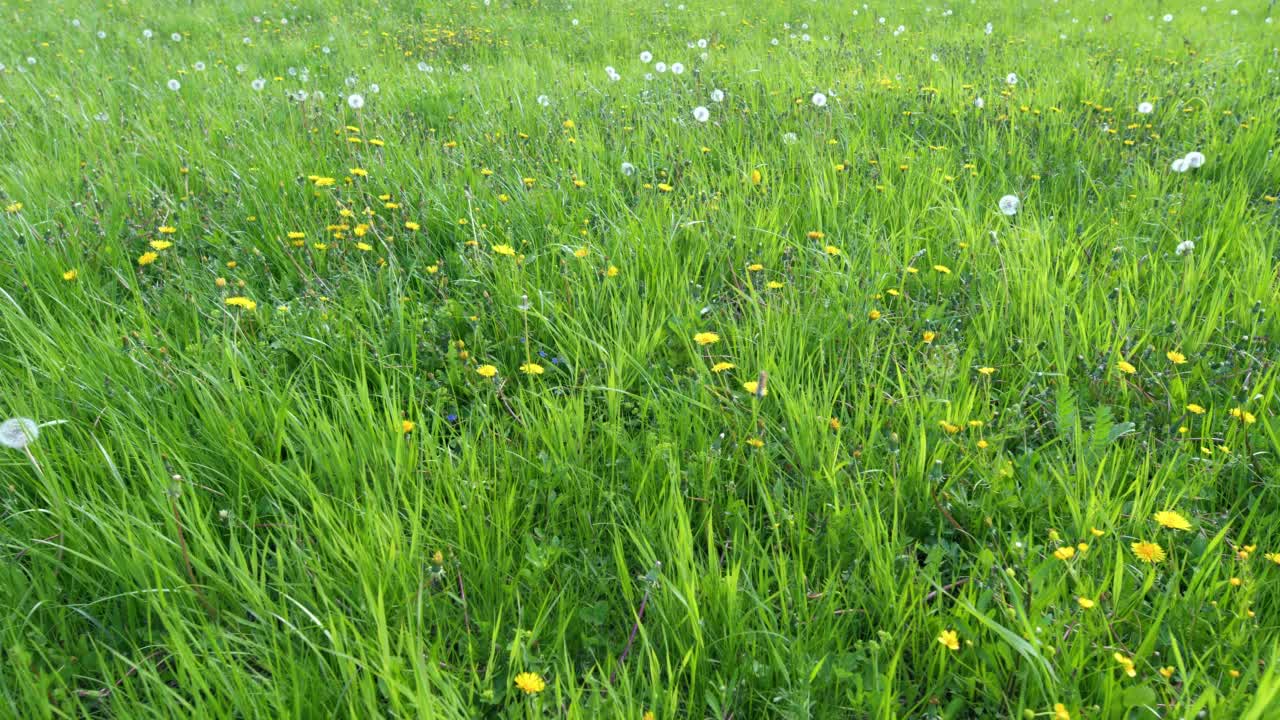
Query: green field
628	358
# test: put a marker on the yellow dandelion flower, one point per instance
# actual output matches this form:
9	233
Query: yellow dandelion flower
1085	602
706	338
147	258
949	640
1194	408
530	683
1126	367
407	426
831	250
504	250
722	366
241	302
70	275
1176	357
531	369
486	371
1148	552
943	269
1066	552
1172	520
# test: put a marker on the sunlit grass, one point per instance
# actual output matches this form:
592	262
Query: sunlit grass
871	372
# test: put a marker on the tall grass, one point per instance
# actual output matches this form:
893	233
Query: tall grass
313	504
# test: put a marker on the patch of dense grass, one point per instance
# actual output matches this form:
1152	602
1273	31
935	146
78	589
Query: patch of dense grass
371	408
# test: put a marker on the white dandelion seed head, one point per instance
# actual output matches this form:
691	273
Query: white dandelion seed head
17	433
1168	18
979	103
646	57
701	114
544	101
1145	108
628	169
988	29
790	138
818	100
717	95
1009	204
147	34
1180	165
102	35
660	67
174	85
1011	79
199	66
176	37
677	68
258	83
241	67
373	88
702	43
1194	159
356	101
1185	247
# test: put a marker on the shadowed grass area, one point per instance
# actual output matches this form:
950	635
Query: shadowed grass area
403	351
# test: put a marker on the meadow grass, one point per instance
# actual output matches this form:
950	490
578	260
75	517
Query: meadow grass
369	411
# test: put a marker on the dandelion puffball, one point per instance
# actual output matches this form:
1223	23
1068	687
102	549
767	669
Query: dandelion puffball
17	433
677	68
819	100
1180	165
646	57
1011	79
1146	108
978	102
355	101
174	85
701	114
1194	159
717	95
1009	204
